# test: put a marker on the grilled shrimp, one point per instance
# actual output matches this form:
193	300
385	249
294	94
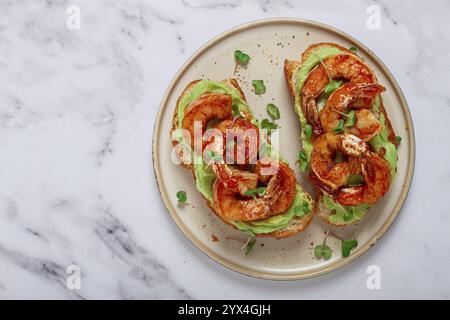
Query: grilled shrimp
323	164
367	125
280	193
331	177
231	208
242	141
343	66
241	148
281	186
238	181
376	173
213	106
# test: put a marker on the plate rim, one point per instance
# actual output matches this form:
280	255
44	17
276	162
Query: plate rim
270	275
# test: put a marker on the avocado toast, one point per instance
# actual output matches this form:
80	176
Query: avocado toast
382	143
293	220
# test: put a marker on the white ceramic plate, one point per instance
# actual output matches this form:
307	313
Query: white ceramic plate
269	42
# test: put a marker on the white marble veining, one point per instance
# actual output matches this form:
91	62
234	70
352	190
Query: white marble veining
77	109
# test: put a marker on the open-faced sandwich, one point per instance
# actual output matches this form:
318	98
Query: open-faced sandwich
349	146
244	181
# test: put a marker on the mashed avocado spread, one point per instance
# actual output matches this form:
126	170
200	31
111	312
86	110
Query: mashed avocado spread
342	214
205	177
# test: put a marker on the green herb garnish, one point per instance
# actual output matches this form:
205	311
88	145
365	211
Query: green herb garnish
260	191
214	156
181	196
353	49
308	131
306	207
273	111
266	124
347	246
350	120
398	139
303	160
355	180
241	57
259	86
323	251
340	127
302	156
332	86
235	110
249	245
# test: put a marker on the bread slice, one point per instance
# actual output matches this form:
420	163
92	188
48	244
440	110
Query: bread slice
229	82
296	224
291	68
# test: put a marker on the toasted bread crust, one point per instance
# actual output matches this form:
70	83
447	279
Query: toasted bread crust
290	70
290	67
175	123
325	213
297	224
313	47
390	129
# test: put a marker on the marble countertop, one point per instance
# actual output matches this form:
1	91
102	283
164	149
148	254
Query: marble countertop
77	108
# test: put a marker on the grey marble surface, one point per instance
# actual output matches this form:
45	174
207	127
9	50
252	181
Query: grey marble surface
77	108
